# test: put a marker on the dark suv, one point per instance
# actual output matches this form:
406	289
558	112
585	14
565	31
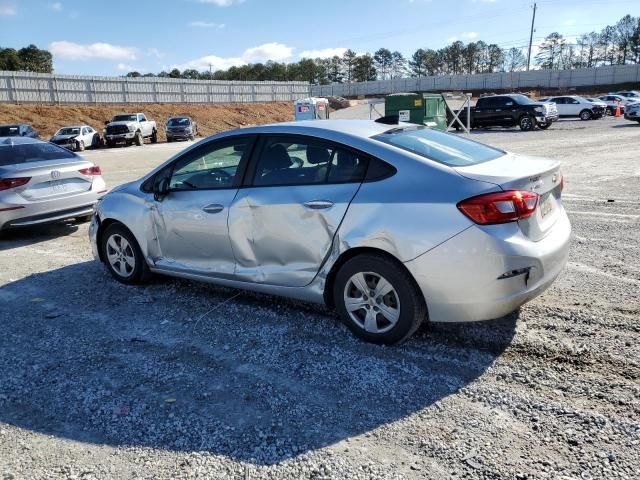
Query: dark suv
18	130
510	111
180	128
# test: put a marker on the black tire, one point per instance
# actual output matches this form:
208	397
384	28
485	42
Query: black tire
140	273
111	143
169	139
586	115
154	137
139	141
80	146
191	137
527	123
95	141
544	126
413	309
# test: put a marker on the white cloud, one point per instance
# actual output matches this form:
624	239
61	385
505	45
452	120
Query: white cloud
57	6
7	9
76	51
323	53
268	51
123	67
154	52
221	3
469	35
201	24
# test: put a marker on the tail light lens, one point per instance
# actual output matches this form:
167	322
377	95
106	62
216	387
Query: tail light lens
500	207
95	170
7	183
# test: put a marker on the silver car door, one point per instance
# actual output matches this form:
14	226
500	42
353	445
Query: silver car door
282	226
191	221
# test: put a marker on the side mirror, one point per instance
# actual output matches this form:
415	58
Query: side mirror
161	189
106	122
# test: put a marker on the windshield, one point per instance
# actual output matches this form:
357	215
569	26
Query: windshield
9	130
441	147
31	152
69	131
522	99
178	122
124	118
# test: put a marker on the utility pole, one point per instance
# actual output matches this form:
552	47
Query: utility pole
533	21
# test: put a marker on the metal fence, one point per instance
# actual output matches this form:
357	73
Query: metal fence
27	87
583	77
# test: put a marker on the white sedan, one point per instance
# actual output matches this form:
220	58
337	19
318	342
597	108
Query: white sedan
76	138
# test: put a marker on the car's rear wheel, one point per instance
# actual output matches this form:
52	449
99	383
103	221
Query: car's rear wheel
527	123
586	115
122	255
378	300
154	137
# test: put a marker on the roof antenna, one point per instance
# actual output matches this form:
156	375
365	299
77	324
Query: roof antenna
389	119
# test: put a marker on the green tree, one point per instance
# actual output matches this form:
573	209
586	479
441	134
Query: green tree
383	60
398	65
9	59
32	59
364	69
348	63
175	73
133	75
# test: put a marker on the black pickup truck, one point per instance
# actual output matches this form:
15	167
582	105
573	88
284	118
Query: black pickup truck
509	111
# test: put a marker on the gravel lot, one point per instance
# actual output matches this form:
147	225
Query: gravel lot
185	380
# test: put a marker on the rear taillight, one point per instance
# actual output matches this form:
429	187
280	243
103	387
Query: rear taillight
7	183
500	207
95	170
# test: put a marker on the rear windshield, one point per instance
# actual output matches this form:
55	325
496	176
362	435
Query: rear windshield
9	130
31	152
441	147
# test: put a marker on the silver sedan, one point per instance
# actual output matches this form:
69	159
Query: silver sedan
388	224
41	182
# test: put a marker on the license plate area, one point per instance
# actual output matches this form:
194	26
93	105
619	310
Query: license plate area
57	186
546	205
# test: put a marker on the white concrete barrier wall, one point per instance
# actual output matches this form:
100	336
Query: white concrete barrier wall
584	77
27	87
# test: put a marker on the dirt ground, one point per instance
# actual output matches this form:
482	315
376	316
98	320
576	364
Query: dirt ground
185	380
47	119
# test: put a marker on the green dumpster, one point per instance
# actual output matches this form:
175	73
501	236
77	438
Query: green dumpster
428	109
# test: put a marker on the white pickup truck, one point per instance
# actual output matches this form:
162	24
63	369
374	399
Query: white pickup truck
130	128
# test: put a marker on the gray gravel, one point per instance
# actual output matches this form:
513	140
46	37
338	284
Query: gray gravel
185	380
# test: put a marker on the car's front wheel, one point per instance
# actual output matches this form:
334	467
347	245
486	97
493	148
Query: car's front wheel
378	300
123	256
527	123
544	126
139	141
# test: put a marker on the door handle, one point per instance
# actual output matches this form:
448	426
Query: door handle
213	208
318	204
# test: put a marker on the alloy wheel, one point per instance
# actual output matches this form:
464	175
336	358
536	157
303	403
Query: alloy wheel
121	255
372	302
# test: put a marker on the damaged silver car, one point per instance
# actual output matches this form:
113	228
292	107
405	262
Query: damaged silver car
388	224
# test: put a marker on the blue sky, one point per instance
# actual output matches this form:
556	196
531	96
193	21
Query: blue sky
112	37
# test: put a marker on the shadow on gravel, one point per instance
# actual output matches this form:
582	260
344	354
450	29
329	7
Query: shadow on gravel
22	237
184	366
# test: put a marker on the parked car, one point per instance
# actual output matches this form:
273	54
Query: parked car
629	94
575	106
41	182
598	102
613	101
18	130
509	111
180	128
76	138
632	112
384	222
130	128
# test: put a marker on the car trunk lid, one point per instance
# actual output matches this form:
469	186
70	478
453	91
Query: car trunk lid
519	172
50	179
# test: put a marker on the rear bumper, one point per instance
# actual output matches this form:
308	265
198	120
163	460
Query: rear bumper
13	215
460	278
